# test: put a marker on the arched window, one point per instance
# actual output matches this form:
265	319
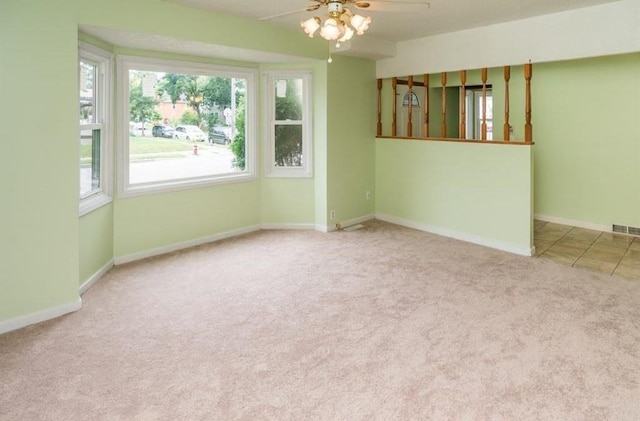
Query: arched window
415	102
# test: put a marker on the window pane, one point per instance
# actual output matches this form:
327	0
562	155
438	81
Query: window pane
184	126
89	161
288	145
87	93
288	94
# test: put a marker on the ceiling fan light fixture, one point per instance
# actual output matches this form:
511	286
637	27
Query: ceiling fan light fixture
332	29
348	34
340	24
311	25
360	23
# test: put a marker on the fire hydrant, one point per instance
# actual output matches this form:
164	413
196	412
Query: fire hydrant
195	149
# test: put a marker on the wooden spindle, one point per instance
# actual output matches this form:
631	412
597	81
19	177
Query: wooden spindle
506	128
394	85
379	128
463	104
425	128
484	104
528	129
443	122
410	94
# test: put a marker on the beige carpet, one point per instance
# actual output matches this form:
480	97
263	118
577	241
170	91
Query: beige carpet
382	323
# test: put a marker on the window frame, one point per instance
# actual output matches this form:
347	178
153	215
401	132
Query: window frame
103	60
124	64
306	169
473	104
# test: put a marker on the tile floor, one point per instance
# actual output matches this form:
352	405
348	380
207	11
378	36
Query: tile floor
614	254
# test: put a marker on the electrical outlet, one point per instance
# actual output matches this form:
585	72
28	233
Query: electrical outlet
368	195
332	215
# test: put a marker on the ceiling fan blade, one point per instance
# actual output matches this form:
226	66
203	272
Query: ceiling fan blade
291	12
416	2
366	4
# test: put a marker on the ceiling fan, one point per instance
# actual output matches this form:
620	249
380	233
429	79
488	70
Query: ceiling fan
359	4
341	23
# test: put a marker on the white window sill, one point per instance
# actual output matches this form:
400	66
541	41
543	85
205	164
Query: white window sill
289	173
133	190
94	202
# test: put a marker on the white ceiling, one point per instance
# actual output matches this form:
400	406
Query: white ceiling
394	20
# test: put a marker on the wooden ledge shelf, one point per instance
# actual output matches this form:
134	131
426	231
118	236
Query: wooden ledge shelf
448	139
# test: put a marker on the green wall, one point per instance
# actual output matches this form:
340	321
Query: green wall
587	154
476	192
96	241
39	253
288	201
320	125
155	221
160	17
351	88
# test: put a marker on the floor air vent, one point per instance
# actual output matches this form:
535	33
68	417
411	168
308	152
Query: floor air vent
623	229
620	228
634	231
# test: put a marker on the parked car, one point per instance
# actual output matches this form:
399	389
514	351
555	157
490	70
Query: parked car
162	130
189	132
218	135
139	129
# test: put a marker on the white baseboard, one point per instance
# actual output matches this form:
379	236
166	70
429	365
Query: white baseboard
186	244
343	224
276	226
40	316
579	224
523	251
358	220
96	277
323	228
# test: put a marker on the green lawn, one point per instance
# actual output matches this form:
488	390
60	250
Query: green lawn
151	147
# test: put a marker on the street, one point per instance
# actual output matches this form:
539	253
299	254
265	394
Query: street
210	160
